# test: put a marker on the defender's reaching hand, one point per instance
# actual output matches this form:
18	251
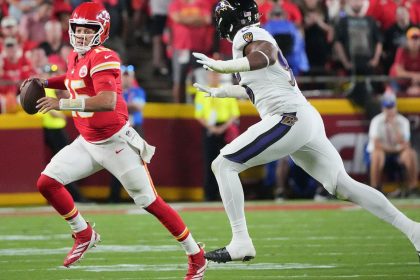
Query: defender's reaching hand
223	66
207	62
211	92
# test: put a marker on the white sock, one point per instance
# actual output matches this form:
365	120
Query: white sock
78	223
189	245
231	192
239	230
373	201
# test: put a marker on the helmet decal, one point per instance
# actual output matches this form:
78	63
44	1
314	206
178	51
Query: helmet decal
104	16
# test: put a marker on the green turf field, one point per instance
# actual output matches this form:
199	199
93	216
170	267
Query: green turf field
293	241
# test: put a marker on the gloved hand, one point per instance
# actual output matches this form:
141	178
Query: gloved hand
211	92
209	63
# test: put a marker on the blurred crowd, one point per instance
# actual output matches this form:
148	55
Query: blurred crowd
370	45
327	38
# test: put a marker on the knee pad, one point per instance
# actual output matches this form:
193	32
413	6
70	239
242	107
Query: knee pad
139	187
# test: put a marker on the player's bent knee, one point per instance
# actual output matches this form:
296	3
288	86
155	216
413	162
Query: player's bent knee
330	182
223	164
143	201
45	184
138	187
216	164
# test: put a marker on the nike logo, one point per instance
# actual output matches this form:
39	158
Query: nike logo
118	151
107	56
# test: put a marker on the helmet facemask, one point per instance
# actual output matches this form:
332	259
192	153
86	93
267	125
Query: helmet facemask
86	43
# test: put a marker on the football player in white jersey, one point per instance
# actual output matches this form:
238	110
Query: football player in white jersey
289	126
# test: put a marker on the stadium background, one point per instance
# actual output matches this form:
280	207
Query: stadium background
177	164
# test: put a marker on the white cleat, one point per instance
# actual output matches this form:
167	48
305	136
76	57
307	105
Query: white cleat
241	251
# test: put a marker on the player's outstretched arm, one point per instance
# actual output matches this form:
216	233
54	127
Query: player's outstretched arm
234	91
104	101
259	54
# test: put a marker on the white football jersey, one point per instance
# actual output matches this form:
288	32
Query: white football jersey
272	89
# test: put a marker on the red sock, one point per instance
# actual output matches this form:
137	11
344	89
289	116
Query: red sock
58	196
169	218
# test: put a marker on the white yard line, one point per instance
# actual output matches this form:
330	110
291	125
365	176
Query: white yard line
99	249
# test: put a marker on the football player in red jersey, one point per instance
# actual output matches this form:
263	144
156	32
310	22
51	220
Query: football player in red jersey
93	80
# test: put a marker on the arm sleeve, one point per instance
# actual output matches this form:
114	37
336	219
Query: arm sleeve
57	82
104	59
235	91
105	81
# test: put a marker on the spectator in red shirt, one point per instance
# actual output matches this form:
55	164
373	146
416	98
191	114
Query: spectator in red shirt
291	10
191	32
9	28
414	8
384	11
407	63
15	67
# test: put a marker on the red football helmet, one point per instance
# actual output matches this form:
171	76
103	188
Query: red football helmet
91	15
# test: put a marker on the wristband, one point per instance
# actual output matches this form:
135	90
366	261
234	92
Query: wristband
66	104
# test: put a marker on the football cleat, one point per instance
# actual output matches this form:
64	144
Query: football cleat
222	256
197	265
83	241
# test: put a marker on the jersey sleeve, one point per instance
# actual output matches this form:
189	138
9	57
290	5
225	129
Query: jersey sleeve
249	34
104	59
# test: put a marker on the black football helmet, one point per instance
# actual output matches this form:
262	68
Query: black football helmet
232	15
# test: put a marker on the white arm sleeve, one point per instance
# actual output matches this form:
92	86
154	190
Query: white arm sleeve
235	91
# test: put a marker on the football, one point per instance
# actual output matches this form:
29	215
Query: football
30	91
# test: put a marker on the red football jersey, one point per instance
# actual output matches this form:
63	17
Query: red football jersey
95	126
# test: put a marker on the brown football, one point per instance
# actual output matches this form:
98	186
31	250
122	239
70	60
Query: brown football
30	92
